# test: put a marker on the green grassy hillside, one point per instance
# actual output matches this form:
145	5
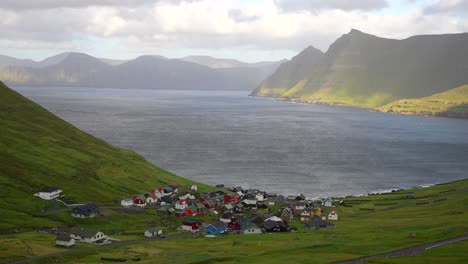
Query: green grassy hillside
38	149
363	70
453	103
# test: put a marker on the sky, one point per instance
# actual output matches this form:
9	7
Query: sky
247	30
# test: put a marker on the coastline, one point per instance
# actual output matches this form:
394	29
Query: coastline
376	109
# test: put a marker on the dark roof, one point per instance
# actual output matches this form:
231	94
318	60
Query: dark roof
271	224
63	237
240	219
191	222
154	229
86	209
49	189
228	215
166	199
216	193
83	232
218	225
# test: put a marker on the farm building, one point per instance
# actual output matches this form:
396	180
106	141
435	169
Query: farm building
126	202
48	193
85	211
64	240
91	236
153	232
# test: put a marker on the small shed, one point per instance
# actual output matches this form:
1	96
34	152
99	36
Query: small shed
328	202
332	216
126	202
153	232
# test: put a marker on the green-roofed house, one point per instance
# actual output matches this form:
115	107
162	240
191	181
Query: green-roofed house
153	232
249	228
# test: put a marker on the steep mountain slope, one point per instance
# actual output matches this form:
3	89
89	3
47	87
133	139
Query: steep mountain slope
289	73
38	149
145	72
452	103
364	70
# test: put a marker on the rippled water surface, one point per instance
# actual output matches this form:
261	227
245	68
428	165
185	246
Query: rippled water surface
230	138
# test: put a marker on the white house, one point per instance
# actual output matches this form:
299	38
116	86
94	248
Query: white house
300	205
150	198
260	197
90	236
306	215
333	215
181	204
153	232
48	193
193	187
126	202
328	203
64	240
249	228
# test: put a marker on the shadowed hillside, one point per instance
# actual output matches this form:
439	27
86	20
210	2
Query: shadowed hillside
367	71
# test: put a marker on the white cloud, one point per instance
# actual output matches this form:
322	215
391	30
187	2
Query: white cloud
210	25
314	5
447	6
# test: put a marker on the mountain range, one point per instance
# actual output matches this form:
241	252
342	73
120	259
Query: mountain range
364	70
144	72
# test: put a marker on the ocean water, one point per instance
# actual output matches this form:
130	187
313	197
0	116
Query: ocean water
233	139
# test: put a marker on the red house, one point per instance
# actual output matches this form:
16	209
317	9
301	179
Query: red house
233	198
181	214
233	225
191	225
139	200
209	204
191	210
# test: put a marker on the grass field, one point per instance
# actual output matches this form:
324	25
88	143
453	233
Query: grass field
452	103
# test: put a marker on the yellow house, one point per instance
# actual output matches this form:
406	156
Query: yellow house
318	211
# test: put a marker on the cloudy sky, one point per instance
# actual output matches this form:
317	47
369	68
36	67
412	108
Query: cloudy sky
249	30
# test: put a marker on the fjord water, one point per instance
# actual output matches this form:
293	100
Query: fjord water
232	139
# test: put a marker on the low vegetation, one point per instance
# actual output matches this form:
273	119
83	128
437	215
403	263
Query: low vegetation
452	103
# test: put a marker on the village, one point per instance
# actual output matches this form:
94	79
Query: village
206	214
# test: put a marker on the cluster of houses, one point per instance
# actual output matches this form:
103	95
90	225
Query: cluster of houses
237	210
